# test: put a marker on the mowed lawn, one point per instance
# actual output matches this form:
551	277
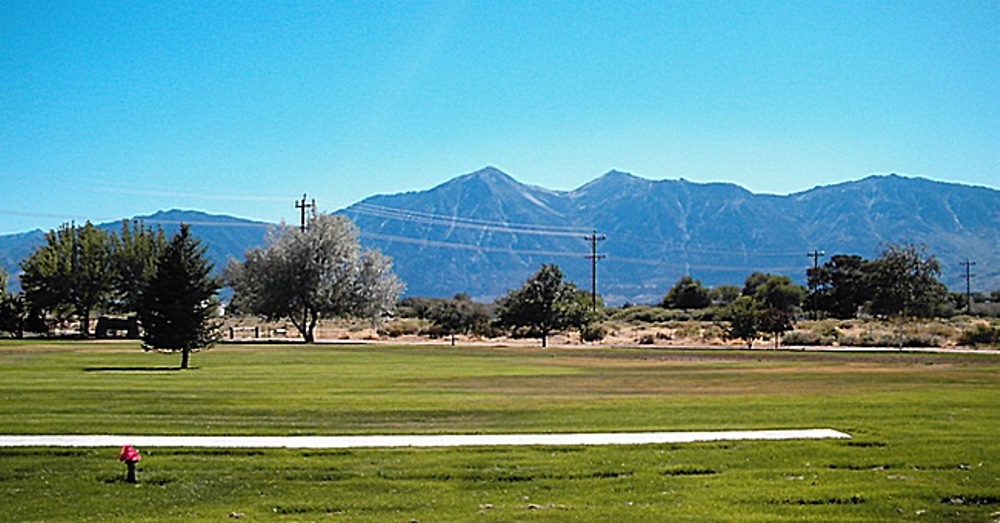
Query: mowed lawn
925	427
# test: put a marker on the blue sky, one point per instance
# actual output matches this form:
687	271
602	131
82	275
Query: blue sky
114	109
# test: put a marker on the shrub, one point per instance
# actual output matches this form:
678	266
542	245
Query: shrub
593	332
402	327
980	335
802	338
649	314
886	339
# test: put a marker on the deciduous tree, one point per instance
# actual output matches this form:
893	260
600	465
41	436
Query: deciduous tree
318	273
774	291
904	282
743	316
687	293
134	255
73	269
841	286
543	305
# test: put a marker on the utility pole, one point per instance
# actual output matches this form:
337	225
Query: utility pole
593	239
815	255
301	205
968	284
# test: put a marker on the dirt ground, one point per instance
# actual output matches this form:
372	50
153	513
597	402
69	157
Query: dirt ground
830	333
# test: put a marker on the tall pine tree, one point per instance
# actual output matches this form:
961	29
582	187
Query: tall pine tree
179	302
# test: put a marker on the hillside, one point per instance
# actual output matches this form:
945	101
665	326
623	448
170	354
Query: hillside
484	233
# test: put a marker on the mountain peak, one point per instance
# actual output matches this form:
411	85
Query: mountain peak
489	174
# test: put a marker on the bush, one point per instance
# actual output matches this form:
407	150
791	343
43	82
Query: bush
891	340
593	332
643	314
402	327
980	335
650	314
802	338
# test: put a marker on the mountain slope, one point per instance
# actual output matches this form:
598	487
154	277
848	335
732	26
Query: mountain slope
224	237
484	233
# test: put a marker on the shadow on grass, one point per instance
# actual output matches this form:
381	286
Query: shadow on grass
136	369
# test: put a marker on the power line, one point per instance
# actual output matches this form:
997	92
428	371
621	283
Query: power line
565	254
363	208
465	223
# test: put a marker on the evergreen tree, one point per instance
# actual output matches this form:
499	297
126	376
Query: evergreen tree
178	304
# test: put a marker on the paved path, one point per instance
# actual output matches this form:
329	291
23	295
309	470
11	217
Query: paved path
479	440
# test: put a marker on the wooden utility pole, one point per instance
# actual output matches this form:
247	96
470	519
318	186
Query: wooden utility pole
815	255
301	205
968	284
593	257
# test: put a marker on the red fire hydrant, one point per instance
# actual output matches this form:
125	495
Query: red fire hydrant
130	456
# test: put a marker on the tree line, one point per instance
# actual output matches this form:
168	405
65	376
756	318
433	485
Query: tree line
165	284
321	271
902	281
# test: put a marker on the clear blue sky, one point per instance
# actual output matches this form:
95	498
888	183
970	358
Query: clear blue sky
113	109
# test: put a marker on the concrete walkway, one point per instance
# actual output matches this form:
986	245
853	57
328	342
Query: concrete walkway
479	440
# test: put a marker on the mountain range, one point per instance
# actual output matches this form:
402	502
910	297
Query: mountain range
484	233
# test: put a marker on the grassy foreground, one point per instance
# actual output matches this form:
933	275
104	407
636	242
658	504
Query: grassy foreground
926	434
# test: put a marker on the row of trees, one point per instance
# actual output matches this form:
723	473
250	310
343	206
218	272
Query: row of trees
901	282
322	272
82	269
169	286
166	284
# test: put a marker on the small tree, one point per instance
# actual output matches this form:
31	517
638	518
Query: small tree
543	305
687	293
457	315
313	274
17	317
178	304
775	322
743	316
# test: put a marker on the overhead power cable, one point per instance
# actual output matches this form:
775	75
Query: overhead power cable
567	254
465	223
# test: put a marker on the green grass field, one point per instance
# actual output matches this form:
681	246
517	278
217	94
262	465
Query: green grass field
926	433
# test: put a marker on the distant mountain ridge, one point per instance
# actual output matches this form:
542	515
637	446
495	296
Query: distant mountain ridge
223	236
484	233
453	238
